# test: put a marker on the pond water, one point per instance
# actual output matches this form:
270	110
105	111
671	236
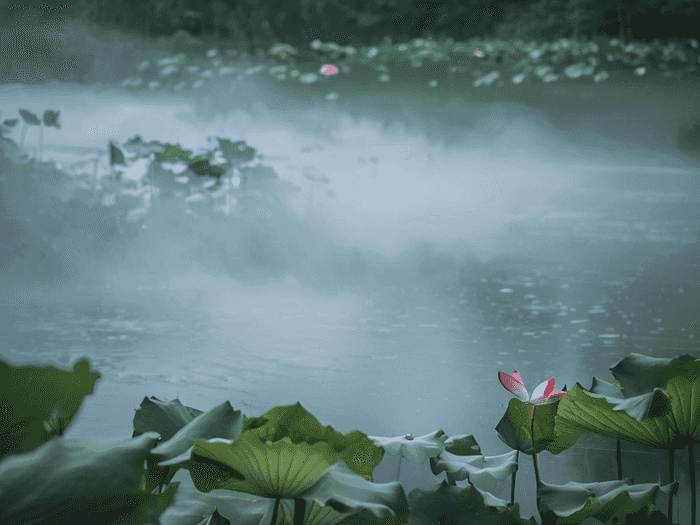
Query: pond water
573	266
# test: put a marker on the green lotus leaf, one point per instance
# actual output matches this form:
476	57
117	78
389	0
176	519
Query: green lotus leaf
417	450
582	412
572	503
481	471
514	428
31	396
29	117
358	451
80	482
236	152
262	468
443	503
173	153
115	155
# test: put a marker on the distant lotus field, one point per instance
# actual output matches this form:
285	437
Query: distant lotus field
488	62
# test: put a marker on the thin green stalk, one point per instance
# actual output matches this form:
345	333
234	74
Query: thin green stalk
619	460
512	481
534	451
398	470
94	180
299	511
671	475
41	140
22	135
693	492
275	511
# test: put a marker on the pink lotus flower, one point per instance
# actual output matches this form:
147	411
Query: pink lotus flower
328	69
544	394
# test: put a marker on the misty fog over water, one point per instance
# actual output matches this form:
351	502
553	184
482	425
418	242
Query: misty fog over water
550	230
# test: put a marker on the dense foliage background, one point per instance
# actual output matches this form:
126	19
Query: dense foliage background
257	24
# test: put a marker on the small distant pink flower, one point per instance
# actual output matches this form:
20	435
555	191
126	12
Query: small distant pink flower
544	394
328	69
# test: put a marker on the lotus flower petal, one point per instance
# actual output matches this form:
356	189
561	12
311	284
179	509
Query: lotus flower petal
514	384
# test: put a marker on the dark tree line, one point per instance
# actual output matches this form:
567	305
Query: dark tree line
258	23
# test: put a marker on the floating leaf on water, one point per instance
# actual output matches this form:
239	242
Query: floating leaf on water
29	117
115	155
308	78
168	70
236	152
173	153
10	122
202	167
280	49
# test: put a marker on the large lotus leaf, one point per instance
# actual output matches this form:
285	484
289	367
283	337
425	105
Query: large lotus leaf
165	460
442	503
347	493
649	405
582	412
222	421
164	417
572	503
239	509
313	514
32	396
610	390
258	467
640	374
684	391
358	452
514	428
66	482
416	450
463	445
481	471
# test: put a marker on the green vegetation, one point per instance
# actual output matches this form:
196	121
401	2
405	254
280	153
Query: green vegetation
311	474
